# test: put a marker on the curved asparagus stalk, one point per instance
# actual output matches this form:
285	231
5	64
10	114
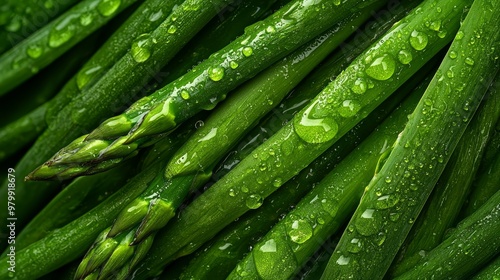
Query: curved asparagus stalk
436	125
489	272
474	242
374	75
54	39
292	241
192	164
442	208
262	44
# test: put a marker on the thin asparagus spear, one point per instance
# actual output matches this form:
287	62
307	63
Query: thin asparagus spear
332	113
490	272
262	44
187	169
442	208
19	19
293	240
54	39
418	157
472	244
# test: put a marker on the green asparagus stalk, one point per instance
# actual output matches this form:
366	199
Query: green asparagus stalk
490	272
293	240
101	101
19	19
472	244
262	44
418	158
374	75
66	244
443	207
154	208
54	39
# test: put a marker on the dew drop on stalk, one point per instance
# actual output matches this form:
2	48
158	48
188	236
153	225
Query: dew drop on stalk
359	86
277	182
336	2
172	29
382	68
387	201
108	7
247	51
233	64
287	148
34	51
460	35
185	94
216	73
343	260
86	19
469	61
85	75
349	108
232	193
418	40
354	246
405	57
140	49
366	224
299	231
435	25
254	201
60	34
315	130
156	16
453	54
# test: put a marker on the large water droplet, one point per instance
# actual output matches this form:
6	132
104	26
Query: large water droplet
418	40
85	75
460	35
108	7
300	231
86	18
140	49
469	61
387	201
34	51
254	201
354	246
233	64
405	57
453	54
247	51
185	94
172	29
435	25
359	86
268	247
216	73
366	224
343	260
314	130
60	34
382	68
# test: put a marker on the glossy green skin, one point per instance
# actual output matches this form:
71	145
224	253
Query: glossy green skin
41	48
206	85
324	209
104	98
145	19
418	157
68	243
186	170
443	207
471	245
289	148
19	19
490	272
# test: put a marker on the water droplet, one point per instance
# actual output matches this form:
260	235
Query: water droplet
172	29
86	19
460	35
343	260
469	61
442	33
449	73
354	246
108	7
85	75
277	182
270	29
268	247
233	64
156	16
232	193
382	68
320	221
435	25
418	40
405	57
453	55
244	189
60	34
287	147
34	51
247	51
387	201
349	108
216	73
336	2
254	201
359	86
140	49
366	224
300	231
314	130
438	9
185	94
394	216
380	238
14	25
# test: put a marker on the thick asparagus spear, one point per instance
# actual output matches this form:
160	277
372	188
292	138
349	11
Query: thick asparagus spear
333	112
418	157
262	44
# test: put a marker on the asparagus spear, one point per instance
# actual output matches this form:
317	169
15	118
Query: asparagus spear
473	243
333	112
158	204
442	209
292	241
262	44
21	18
54	39
489	272
418	157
